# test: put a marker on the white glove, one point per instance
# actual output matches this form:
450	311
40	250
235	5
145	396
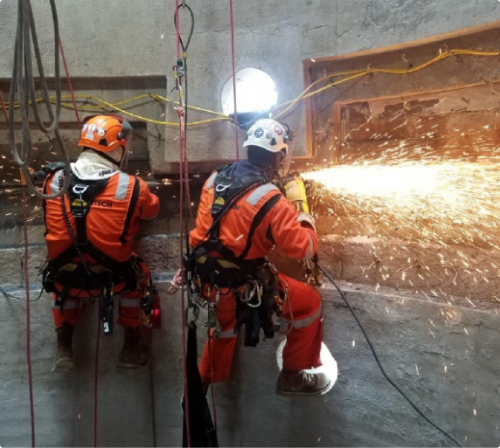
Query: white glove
176	283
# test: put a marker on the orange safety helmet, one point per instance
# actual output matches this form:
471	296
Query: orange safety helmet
105	133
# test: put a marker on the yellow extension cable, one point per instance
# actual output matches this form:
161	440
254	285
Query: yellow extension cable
348	76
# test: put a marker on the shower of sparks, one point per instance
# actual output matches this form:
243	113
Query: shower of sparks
448	200
443	203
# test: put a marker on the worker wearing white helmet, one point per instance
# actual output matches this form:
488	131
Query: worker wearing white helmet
246	215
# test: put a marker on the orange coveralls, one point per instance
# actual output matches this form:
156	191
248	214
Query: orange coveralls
111	227
281	228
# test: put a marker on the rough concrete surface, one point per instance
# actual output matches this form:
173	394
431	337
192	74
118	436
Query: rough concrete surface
275	36
448	368
443	355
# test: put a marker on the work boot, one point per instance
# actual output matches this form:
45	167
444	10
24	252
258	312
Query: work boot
135	351
64	356
300	382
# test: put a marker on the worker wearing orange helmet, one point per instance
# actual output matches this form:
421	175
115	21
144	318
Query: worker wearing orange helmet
89	236
242	215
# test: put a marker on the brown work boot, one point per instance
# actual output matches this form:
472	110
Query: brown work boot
64	356
135	351
300	382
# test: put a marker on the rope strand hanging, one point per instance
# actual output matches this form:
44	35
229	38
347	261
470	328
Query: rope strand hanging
24	205
233	62
23	83
182	130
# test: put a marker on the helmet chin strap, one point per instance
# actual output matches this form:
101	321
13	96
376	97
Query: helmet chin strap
124	160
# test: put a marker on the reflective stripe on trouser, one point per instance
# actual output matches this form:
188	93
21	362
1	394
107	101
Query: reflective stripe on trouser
302	350
71	312
129	307
129	314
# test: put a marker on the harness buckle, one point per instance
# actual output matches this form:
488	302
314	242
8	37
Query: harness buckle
80	189
79	205
195	311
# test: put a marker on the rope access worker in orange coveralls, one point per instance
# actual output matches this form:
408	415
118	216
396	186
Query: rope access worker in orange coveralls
241	217
89	236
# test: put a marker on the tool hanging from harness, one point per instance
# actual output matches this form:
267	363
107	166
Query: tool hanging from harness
254	282
72	269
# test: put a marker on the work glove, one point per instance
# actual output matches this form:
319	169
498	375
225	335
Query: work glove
295	191
176	283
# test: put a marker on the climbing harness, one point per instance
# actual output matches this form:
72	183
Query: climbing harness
253	282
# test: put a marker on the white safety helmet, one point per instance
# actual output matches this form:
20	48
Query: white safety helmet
268	134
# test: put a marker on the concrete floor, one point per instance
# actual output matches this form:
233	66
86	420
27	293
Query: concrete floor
450	368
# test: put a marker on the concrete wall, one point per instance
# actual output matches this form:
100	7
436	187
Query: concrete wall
443	355
131	38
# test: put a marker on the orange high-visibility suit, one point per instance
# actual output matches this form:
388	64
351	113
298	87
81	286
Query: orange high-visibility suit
279	227
112	223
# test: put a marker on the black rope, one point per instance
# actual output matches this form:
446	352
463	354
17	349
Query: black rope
191	31
10	296
372	348
23	83
153	402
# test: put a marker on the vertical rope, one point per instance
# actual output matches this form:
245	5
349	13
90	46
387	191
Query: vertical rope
24	200
28	313
234	80
69	84
212	389
177	30
96	376
182	152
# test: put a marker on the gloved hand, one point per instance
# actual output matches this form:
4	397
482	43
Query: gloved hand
176	283
296	192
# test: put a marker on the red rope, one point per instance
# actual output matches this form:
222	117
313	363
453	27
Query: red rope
96	376
4	108
69	84
182	152
183	299
28	301
28	315
234	80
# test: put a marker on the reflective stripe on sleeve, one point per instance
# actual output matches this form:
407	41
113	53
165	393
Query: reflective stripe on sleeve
54	185
211	180
121	189
310	251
